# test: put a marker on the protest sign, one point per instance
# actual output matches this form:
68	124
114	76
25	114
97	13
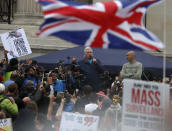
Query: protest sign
6	125
144	105
15	42
78	122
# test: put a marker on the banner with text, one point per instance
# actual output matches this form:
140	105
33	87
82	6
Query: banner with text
6	125
16	43
78	122
144	105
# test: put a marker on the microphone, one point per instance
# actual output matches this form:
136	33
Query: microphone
91	57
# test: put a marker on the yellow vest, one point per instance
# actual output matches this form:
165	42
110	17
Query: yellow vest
7	76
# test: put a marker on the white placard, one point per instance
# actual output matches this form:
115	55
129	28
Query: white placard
6	125
16	43
78	122
144	105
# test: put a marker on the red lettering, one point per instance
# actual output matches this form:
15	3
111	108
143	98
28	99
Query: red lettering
157	95
150	93
144	99
135	96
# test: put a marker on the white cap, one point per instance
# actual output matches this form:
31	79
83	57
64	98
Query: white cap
2	88
89	108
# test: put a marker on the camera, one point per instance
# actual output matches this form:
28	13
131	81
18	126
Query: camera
60	63
75	68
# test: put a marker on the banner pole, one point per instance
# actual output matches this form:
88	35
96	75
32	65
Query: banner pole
165	39
164	54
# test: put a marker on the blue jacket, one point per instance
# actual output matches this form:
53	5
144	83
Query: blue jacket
68	107
59	86
31	79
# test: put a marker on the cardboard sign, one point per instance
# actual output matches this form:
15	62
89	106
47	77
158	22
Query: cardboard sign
144	105
15	42
78	122
6	125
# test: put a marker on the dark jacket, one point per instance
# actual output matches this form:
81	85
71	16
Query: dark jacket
42	101
25	121
80	104
92	73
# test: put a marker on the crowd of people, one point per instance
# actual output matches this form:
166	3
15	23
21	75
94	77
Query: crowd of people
34	98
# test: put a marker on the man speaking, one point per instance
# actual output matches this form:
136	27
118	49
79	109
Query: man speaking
91	68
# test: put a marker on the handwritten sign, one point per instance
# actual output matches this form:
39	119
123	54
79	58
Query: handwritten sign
78	122
144	105
16	43
6	125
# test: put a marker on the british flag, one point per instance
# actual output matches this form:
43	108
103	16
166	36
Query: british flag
114	24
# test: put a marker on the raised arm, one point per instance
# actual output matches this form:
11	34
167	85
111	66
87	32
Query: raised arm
59	111
50	108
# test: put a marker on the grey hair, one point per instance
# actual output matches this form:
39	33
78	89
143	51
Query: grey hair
86	48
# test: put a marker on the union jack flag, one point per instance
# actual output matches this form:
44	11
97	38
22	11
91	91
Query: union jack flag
114	24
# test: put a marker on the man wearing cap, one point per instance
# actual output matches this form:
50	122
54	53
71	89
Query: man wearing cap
104	101
91	68
7	105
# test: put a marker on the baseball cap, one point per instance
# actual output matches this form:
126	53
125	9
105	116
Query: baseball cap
89	108
101	93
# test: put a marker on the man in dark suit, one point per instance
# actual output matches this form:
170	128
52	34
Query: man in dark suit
91	68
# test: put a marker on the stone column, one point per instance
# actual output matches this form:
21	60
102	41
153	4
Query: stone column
155	23
28	7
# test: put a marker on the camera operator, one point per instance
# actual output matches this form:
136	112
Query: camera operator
106	81
78	77
74	61
91	68
69	79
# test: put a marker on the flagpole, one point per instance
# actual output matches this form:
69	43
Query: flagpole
165	39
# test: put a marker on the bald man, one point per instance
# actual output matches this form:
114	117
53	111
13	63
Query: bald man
132	69
91	68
